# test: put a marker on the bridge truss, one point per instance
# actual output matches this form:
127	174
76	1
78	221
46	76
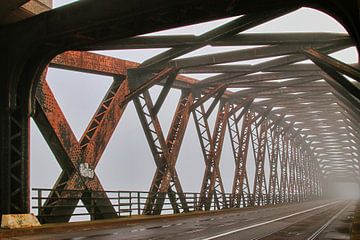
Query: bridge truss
301	118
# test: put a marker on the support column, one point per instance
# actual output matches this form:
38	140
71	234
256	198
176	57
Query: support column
14	161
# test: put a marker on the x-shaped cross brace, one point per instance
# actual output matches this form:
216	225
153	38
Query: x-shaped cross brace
240	144
165	152
211	147
78	159
259	141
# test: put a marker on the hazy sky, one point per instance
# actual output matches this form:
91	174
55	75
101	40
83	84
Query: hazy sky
127	163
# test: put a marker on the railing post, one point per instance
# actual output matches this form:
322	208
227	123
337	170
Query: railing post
92	205
138	203
130	204
195	201
39	195
119	203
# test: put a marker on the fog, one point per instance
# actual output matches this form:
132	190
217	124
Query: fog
343	190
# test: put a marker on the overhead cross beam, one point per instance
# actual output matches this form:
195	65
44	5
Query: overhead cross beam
240	24
243	39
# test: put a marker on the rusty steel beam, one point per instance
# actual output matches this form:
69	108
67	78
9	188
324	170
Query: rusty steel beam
102	25
240	145
172	41
89	62
299	173
14	170
214	105
298	82
340	83
74	156
144	84
163	94
247	106
284	162
292	184
238	25
244	68
328	62
165	152
259	139
219	90
241	55
211	145
274	191
279	62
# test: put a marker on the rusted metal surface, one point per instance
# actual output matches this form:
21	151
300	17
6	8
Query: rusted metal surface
240	146
148	83
92	63
300	127
165	152
273	162
259	138
284	163
78	158
211	144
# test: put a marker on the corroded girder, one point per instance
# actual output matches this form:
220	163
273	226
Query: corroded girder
212	185
273	162
78	158
259	140
292	172
103	26
240	145
165	152
284	162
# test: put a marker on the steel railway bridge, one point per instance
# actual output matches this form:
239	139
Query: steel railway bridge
306	126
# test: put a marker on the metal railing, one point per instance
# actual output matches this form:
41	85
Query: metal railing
128	203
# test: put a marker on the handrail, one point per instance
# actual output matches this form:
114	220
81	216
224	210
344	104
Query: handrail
128	203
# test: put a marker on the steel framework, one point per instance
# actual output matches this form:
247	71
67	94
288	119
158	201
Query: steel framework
300	119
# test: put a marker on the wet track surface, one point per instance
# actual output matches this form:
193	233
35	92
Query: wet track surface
294	221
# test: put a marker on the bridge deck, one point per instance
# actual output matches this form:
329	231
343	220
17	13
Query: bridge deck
295	221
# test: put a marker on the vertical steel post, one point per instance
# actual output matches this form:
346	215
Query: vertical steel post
14	159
